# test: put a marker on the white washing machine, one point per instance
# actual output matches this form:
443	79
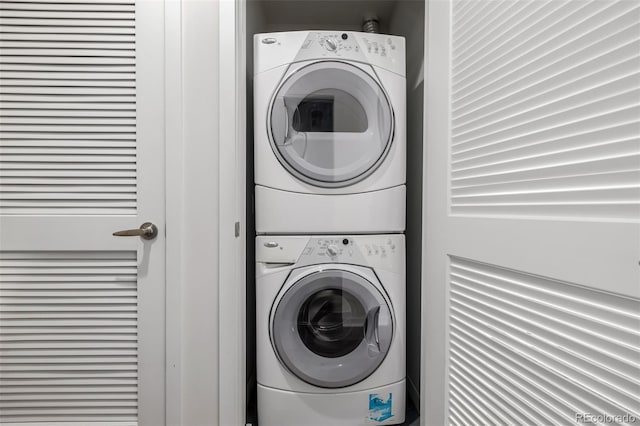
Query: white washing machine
329	132
330	320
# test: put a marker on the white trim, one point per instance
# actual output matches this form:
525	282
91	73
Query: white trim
232	165
174	211
434	304
150	172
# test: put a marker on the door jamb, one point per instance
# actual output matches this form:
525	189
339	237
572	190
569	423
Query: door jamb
231	222
232	219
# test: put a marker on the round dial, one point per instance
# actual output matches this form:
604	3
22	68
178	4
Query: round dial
331	45
332	250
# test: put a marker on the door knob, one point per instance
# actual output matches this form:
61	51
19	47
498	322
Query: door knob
147	230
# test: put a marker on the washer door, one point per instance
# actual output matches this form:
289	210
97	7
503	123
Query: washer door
332	328
331	124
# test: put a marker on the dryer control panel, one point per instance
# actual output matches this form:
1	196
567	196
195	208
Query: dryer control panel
343	43
377	251
332	43
378	49
383	50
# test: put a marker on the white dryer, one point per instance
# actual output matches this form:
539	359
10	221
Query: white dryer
330	319
329	132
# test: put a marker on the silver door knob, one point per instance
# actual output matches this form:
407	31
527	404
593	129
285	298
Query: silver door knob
147	230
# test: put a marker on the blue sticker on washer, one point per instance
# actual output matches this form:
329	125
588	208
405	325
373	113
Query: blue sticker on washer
379	409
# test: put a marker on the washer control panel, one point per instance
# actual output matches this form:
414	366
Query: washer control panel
381	251
329	249
349	247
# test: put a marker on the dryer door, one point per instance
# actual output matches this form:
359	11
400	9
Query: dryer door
331	123
332	328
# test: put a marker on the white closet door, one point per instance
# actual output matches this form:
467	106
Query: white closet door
532	212
81	156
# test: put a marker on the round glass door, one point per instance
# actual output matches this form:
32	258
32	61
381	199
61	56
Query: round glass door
331	124
332	328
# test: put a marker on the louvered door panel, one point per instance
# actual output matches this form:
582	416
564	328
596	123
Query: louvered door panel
68	337
68	146
545	100
525	349
532	180
68	108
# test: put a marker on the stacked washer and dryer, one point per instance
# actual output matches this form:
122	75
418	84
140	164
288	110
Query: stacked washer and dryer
330	172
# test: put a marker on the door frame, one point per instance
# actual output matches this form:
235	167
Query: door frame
232	224
435	303
227	231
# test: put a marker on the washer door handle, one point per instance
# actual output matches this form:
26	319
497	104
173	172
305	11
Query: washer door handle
371	333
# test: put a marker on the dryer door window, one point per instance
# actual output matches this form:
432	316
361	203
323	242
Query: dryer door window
332	328
331	124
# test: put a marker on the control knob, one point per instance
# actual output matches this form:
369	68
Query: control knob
331	45
332	250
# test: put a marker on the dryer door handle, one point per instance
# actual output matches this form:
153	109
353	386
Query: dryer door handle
371	333
287	129
286	123
280	125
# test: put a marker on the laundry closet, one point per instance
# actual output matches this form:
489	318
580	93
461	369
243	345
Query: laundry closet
343	23
521	223
510	269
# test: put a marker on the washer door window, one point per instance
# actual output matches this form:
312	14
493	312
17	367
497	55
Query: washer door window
331	124
332	328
